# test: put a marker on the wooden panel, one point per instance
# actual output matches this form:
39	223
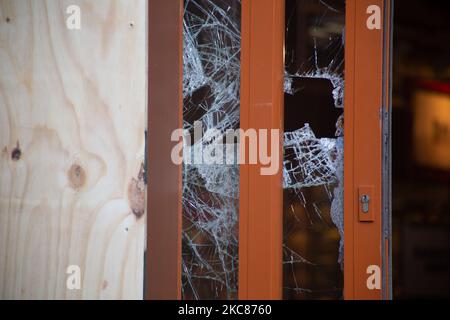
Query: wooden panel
165	115
363	145
261	196
72	124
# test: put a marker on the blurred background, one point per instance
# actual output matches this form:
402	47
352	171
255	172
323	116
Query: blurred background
421	149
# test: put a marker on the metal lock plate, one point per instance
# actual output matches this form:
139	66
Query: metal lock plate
365	199
366	204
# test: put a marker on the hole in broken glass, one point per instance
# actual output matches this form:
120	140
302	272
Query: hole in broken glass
313	149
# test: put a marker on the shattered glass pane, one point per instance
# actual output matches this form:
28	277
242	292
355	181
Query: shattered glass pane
211	62
313	150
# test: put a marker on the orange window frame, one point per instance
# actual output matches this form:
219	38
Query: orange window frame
367	107
260	218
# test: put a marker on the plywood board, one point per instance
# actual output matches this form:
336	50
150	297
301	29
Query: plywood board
72	145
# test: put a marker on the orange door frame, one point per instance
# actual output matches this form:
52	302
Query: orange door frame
366	92
261	197
260	224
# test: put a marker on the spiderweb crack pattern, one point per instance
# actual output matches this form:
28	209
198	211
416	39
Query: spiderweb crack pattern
211	81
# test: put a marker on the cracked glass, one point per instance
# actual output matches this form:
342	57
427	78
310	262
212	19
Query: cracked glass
313	232
211	63
313	149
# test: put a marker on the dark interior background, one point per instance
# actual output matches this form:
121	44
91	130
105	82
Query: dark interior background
421	194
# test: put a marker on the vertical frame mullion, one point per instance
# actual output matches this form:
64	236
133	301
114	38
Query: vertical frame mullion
365	91
165	114
261	197
387	150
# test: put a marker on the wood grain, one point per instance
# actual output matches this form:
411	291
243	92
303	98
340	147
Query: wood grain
72	123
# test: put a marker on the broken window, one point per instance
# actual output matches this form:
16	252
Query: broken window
313	150
211	63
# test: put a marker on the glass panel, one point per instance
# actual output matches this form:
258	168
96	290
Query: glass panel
211	83
313	150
